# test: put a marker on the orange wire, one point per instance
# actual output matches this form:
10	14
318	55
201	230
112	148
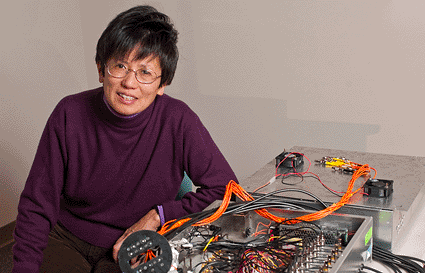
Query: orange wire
260	187
233	187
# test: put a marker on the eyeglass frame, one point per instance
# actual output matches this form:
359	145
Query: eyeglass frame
135	74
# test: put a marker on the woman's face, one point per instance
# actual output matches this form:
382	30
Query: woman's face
127	96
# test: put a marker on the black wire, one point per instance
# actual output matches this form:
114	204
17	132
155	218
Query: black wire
285	206
402	262
413	258
291	201
392	266
288	222
369	268
293	190
205	214
195	217
285	176
296	173
395	262
239	206
312	176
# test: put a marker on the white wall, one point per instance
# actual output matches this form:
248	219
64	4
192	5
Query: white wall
262	75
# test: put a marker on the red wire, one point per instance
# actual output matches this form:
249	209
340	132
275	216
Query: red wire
296	173
233	187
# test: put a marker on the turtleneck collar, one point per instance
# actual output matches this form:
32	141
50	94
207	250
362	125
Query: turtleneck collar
115	112
122	121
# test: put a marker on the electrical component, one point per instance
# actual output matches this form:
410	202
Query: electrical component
399	209
289	160
145	251
378	187
267	250
335	243
340	164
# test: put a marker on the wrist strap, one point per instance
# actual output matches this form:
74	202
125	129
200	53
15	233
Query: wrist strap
160	211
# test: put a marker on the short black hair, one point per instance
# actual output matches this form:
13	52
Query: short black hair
146	28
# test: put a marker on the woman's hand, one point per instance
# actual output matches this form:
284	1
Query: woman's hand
150	221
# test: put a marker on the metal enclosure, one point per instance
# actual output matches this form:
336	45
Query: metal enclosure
358	250
392	216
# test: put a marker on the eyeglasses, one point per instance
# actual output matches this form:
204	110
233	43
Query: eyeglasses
142	75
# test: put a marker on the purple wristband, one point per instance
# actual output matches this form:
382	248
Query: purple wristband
161	214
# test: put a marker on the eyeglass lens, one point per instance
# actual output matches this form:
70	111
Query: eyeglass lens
142	75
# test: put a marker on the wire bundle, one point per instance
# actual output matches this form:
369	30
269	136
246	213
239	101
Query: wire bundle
275	251
220	261
265	260
395	262
234	188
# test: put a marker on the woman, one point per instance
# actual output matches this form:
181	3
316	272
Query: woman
111	160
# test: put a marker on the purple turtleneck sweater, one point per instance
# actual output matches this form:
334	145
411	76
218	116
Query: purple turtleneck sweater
98	173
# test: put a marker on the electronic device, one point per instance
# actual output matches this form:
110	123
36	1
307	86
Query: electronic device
392	213
243	241
287	161
145	251
378	188
248	242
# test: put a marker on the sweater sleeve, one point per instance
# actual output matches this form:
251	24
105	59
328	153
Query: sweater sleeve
205	165
39	202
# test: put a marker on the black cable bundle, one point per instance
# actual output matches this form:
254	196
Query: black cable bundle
395	262
261	201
